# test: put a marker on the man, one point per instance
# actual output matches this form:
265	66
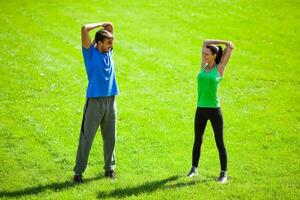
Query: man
100	106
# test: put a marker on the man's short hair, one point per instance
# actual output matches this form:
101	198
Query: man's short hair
103	34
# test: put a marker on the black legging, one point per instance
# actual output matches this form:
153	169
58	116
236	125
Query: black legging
216	120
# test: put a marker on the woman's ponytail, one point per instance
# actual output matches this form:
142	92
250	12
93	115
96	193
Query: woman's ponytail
219	55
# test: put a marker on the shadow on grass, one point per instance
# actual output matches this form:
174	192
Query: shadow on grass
148	187
41	188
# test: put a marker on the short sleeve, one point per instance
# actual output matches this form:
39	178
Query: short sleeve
86	52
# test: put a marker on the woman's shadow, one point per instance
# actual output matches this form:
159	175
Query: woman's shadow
147	187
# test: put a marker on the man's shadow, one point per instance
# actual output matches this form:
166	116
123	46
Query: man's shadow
148	187
41	188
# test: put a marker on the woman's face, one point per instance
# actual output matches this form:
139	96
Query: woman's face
208	56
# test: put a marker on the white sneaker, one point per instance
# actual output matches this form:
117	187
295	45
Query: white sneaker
222	178
193	172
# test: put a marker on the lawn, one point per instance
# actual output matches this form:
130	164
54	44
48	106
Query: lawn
157	58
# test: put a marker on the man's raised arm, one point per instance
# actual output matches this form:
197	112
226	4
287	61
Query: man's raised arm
85	38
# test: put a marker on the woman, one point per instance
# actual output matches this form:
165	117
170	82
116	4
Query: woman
208	105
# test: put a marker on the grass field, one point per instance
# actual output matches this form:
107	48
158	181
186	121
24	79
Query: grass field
157	58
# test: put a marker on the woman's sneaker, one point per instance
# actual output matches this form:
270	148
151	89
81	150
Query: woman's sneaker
223	177
193	172
110	174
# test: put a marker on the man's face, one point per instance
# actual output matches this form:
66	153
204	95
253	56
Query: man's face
106	45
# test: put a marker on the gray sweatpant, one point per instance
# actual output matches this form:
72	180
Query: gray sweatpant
97	111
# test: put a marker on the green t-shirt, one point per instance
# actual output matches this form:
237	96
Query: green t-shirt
208	83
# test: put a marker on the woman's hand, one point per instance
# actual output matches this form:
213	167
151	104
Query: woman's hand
230	45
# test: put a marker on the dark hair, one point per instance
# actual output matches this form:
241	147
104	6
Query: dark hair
103	34
216	50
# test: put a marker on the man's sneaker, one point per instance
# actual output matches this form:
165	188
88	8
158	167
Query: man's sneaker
193	172
110	174
223	177
78	178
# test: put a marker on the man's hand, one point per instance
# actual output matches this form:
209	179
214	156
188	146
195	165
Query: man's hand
108	26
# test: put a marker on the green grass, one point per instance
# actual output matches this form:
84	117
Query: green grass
157	58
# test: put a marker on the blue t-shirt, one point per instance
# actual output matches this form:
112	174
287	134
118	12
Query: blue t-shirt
101	72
